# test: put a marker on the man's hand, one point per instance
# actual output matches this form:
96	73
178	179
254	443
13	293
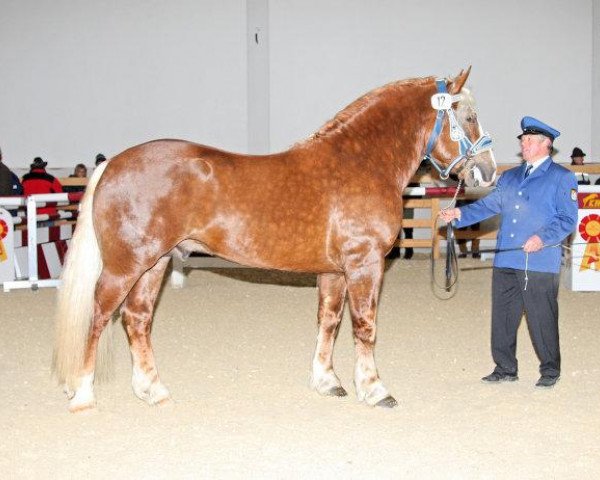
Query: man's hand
447	215
533	244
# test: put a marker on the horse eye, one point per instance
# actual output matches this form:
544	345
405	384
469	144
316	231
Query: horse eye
471	119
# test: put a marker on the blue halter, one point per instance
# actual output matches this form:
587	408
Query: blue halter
442	102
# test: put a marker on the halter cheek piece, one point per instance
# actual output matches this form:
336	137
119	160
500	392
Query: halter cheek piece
442	102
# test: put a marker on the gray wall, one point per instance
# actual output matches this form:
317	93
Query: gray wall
80	77
528	58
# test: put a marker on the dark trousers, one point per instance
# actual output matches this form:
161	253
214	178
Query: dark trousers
540	303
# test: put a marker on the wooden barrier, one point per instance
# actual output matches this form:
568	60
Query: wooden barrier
431	204
430	223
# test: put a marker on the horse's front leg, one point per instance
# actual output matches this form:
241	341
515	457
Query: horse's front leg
364	282
332	295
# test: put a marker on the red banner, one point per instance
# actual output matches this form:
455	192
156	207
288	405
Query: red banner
588	200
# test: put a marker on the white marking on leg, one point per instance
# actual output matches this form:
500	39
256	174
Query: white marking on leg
147	390
159	393
370	393
83	399
140	383
322	380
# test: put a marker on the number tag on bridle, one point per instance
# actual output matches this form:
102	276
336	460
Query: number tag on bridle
444	101
441	101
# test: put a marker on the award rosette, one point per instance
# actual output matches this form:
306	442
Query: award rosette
3	233
589	229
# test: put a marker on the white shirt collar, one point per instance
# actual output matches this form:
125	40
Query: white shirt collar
536	164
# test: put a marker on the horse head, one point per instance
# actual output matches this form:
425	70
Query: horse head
457	143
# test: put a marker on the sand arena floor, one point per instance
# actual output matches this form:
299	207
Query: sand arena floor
235	346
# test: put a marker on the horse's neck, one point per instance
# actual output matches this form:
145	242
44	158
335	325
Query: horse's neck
389	137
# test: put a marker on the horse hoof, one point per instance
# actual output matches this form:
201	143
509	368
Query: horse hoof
164	402
83	409
387	402
70	393
336	392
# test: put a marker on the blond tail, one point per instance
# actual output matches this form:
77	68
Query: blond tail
75	310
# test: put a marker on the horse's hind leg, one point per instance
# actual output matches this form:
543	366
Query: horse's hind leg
110	291
364	283
137	311
332	295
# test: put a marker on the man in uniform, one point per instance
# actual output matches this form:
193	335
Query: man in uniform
537	202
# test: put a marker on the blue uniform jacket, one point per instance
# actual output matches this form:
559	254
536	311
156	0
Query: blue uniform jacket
543	204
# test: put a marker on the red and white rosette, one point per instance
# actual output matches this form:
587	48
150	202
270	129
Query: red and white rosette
589	229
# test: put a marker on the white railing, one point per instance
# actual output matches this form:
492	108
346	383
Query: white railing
32	203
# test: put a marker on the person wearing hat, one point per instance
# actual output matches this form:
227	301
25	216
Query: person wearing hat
537	204
577	159
40	181
100	158
9	182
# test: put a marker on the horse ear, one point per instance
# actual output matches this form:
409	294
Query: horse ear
458	82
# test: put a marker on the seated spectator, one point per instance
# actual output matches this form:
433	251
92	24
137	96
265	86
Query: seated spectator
577	159
9	182
79	172
100	158
39	181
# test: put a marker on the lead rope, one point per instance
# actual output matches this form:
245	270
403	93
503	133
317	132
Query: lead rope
453	201
526	266
558	245
451	273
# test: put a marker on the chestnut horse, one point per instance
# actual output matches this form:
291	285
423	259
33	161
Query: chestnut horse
331	205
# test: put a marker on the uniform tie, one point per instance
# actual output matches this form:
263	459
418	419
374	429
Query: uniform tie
528	170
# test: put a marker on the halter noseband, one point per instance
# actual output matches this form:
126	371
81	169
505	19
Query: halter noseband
442	102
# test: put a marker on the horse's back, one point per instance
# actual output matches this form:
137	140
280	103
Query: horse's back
267	211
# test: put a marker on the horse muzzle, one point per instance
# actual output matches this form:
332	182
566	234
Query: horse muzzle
482	170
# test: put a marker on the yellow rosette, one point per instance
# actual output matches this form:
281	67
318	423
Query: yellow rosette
3	233
589	229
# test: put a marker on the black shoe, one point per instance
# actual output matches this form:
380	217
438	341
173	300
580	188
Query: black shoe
547	381
408	253
496	377
476	255
462	255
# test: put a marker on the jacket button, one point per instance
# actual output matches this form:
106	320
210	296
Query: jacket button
517	207
512	235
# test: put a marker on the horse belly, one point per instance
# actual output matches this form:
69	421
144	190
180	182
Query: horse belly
258	242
